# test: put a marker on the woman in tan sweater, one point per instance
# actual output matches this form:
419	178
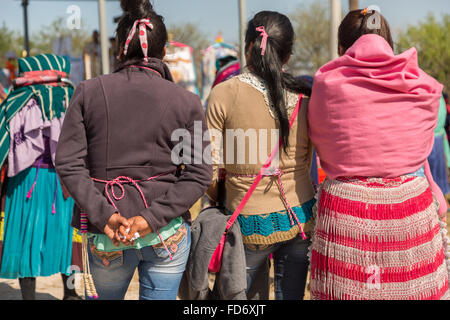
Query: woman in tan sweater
246	116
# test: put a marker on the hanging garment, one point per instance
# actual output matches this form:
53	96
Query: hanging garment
210	65
180	60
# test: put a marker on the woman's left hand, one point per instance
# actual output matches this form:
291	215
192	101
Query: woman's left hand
137	224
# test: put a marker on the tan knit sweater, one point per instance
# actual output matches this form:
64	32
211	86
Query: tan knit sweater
242	103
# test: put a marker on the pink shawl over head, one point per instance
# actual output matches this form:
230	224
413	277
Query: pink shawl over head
373	113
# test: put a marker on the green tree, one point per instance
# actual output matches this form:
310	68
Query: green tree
312	43
42	41
431	40
9	41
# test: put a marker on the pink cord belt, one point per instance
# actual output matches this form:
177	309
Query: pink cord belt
119	182
277	173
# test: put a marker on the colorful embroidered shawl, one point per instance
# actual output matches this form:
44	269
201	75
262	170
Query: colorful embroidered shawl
51	98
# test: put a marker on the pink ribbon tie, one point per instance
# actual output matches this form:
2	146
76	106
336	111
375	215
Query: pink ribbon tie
143	24
264	35
35	180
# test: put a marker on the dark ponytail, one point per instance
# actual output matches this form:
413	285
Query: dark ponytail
357	23
269	66
136	7
156	38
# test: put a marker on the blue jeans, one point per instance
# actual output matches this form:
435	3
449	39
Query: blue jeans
290	264
159	277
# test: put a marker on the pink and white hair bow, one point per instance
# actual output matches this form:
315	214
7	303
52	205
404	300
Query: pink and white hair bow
264	35
143	24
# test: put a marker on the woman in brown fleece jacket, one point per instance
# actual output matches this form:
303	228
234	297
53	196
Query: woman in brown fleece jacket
117	140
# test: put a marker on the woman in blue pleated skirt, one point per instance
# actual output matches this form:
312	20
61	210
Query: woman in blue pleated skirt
37	242
38	239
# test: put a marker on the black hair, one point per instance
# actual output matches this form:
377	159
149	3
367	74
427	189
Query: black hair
269	66
156	38
357	23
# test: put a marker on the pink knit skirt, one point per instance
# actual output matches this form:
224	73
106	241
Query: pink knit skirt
378	239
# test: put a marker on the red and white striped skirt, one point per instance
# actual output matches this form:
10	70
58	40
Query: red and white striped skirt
378	239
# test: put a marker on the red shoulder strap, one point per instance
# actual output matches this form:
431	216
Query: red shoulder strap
264	168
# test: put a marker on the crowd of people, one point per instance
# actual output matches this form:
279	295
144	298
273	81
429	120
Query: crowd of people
101	178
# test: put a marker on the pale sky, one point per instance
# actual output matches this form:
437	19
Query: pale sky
212	16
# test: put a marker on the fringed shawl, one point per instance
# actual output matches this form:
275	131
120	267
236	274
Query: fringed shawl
373	113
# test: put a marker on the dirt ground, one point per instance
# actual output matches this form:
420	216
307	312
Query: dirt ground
50	288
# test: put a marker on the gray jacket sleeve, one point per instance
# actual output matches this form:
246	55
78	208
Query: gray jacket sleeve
71	167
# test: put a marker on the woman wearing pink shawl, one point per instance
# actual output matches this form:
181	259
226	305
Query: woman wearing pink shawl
380	230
